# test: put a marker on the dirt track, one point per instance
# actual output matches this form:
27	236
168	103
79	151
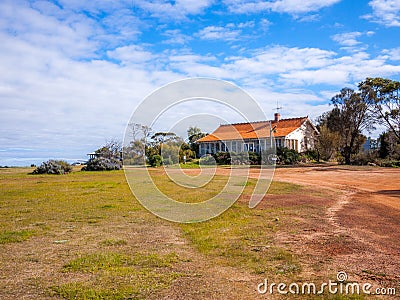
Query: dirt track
360	232
365	216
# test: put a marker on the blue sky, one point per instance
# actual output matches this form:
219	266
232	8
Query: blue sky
72	72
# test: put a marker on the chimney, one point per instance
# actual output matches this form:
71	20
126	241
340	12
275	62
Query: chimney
277	117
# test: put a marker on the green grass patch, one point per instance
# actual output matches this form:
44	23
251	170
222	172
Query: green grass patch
119	276
79	197
188	195
190	165
15	236
243	238
112	242
281	188
112	261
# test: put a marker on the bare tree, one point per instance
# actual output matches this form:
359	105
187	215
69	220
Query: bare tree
140	132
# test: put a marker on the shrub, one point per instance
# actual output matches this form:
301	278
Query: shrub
254	158
155	160
240	158
223	158
389	163
310	155
288	156
167	161
102	164
364	158
207	160
53	167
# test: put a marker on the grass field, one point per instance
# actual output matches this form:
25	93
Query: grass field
84	236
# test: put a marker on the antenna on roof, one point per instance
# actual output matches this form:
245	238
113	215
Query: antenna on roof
278	108
277	115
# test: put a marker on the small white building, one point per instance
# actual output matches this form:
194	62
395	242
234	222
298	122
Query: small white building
295	133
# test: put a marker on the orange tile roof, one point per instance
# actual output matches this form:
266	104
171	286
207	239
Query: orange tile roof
253	130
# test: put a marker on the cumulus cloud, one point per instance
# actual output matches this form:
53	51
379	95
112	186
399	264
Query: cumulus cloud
392	54
218	33
347	39
386	12
130	54
175	36
281	67
282	6
180	9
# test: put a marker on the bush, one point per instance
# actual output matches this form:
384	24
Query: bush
389	163
167	161
207	160
222	158
155	160
365	158
102	164
254	158
310	155
288	156
245	158
52	166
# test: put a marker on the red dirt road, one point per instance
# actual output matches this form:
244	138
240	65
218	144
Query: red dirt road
360	233
365	220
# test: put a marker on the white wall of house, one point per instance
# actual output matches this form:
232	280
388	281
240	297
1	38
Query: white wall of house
305	136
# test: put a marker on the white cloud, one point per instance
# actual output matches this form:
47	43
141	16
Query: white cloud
309	18
175	36
386	12
248	24
392	54
282	6
301	6
130	54
330	75
348	39
70	35
279	59
177	10
56	94
218	33
282	67
265	24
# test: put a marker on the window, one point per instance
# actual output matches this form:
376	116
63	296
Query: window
234	147
279	143
223	147
249	147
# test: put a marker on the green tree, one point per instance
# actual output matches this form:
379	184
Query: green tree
164	137
194	133
136	149
389	146
349	118
328	142
112	149
384	149
383	97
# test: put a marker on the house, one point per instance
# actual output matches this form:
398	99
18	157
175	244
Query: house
295	133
